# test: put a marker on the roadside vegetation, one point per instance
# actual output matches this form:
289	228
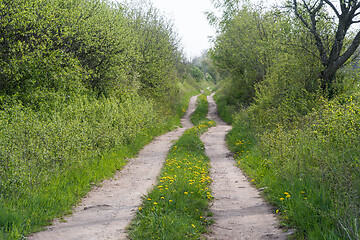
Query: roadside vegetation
178	206
295	128
83	86
199	115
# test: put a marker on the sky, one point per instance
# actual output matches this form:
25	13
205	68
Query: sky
190	23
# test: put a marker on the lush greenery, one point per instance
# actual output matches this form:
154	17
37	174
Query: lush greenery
84	84
295	140
50	159
177	207
205	64
201	111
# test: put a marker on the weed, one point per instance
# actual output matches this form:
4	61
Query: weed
310	174
177	207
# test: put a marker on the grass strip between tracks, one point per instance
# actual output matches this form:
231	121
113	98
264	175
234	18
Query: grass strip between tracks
177	207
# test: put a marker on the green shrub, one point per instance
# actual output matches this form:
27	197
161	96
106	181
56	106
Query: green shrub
316	165
293	142
37	147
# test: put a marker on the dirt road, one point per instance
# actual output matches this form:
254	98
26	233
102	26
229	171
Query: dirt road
107	210
239	211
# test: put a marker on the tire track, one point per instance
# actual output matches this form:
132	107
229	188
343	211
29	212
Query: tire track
239	211
107	210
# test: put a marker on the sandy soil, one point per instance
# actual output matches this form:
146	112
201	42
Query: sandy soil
107	210
239	211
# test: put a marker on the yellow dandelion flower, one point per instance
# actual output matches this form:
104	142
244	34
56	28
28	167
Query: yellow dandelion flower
155	203
149	199
193	225
185	192
281	199
140	208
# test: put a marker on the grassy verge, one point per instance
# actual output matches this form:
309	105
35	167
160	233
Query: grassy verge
226	111
201	110
294	199
50	160
59	194
309	174
188	89
177	207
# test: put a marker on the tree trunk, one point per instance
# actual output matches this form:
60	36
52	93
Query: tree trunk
327	78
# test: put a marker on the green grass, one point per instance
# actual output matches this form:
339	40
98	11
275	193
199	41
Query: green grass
177	207
62	190
310	175
226	111
201	110
300	202
188	89
77	146
51	159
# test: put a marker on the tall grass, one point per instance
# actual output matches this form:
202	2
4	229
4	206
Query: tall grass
310	172
50	158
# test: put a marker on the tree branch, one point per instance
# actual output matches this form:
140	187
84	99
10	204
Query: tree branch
354	9
317	9
313	7
356	14
332	7
306	6
312	28
342	6
350	51
303	48
299	15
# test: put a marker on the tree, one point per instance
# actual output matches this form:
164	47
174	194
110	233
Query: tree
229	9
242	51
197	74
333	51
205	64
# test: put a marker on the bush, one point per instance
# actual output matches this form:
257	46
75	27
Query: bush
295	143
37	147
315	163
